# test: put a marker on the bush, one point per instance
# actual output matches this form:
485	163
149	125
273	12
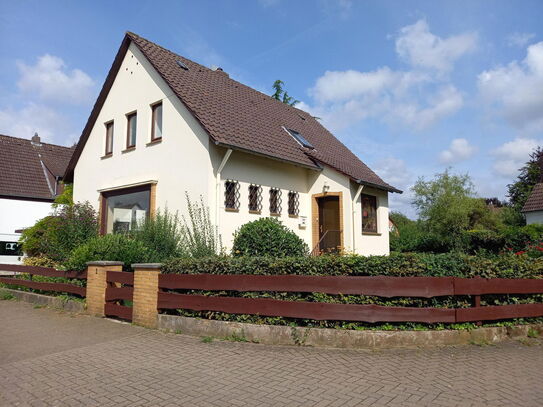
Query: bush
162	234
199	235
485	240
56	236
267	237
116	247
398	264
40	261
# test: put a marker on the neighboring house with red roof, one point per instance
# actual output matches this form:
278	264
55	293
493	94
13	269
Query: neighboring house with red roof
163	125
30	175
533	208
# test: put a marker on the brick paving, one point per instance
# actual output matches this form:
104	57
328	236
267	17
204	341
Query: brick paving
45	361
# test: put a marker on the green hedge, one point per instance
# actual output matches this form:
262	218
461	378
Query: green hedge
399	264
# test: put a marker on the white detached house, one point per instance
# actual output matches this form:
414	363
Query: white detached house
163	125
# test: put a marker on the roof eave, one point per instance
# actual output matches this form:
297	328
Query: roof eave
377	186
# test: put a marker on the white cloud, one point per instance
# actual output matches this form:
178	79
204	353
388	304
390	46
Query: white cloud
516	90
23	123
395	172
50	80
420	48
416	98
459	150
511	156
519	39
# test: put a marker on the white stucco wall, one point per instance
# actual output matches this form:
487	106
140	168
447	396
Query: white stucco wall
19	214
185	160
180	162
534	217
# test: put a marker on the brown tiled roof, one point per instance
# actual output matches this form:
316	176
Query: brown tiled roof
535	200
239	117
26	168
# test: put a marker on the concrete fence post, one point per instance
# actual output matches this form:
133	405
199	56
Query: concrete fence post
145	305
97	283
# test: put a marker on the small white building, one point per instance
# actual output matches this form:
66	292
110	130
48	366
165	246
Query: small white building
533	208
163	125
30	175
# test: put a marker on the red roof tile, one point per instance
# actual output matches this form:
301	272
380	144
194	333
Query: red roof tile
26	167
237	116
535	200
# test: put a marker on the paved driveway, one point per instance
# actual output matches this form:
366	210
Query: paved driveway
53	358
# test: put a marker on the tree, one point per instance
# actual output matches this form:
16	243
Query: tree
448	206
282	95
530	174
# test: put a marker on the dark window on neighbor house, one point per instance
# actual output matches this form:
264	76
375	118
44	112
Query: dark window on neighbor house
131	129
231	194
369	213
255	198
275	201
10	249
109	138
293	203
156	120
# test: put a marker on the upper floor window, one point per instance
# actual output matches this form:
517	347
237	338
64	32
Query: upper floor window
275	201
255	198
109	138
231	195
293	203
156	120
369	213
131	121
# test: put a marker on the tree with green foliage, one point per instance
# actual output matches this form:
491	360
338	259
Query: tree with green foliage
519	191
66	197
448	207
282	95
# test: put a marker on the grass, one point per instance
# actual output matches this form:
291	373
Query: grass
480	342
207	339
6	296
532	333
38	306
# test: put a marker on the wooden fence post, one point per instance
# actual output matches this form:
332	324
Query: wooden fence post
144	308
97	283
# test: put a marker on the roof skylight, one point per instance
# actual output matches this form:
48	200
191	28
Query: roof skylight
300	139
182	65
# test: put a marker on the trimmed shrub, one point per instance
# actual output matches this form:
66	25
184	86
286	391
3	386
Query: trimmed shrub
116	247
267	237
397	264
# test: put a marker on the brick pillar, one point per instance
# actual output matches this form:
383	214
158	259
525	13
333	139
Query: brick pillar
97	283
145	310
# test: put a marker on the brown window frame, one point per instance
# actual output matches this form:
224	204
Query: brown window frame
367	197
154	106
129	116
109	146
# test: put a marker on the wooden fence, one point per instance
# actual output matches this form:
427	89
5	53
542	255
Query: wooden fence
425	287
18	280
120	288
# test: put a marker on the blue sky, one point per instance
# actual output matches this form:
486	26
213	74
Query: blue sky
412	87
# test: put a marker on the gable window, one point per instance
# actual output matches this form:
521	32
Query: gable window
369	213
255	198
156	120
293	203
109	138
275	201
231	195
131	129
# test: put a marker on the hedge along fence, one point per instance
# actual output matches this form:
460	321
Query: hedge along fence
69	282
378	292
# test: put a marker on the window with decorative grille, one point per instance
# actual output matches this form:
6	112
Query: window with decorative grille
231	194
255	198
275	201
293	203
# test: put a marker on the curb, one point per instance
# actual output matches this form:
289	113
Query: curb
46	300
335	338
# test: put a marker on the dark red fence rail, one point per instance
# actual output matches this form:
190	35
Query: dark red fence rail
46	272
425	287
120	288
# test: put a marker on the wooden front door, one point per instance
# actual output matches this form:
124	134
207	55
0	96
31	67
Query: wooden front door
329	224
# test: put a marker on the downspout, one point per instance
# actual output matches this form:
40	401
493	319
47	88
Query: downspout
355	199
217	191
